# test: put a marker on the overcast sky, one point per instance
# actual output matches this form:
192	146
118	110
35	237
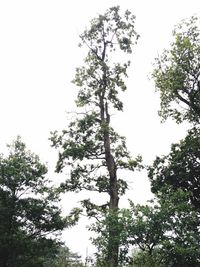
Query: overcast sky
38	56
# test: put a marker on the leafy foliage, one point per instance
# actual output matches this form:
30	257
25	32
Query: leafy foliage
29	213
181	246
175	180
177	75
166	232
144	259
180	169
147	226
101	228
175	177
90	147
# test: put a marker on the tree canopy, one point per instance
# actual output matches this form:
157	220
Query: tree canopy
177	75
175	177
165	231
179	169
29	211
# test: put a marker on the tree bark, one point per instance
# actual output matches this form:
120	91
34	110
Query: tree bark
113	243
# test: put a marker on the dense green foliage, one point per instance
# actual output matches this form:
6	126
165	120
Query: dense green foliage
172	174
177	75
166	232
29	213
175	177
180	169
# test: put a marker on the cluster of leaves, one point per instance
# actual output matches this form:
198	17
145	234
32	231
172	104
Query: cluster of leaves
118	221
29	211
179	169
166	232
109	33
177	75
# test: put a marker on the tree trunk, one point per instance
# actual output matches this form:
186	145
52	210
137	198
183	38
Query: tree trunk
113	243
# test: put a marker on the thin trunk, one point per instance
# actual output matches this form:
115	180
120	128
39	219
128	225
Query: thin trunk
113	243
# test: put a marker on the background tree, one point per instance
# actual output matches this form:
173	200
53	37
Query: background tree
141	258
179	169
181	245
89	146
64	258
177	75
147	227
164	232
177	78
29	213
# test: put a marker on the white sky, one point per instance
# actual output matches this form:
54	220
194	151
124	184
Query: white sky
38	57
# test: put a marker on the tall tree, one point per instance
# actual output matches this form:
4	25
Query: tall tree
29	213
177	75
177	78
89	146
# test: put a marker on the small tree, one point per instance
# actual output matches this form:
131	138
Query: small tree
90	146
165	232
179	169
28	210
